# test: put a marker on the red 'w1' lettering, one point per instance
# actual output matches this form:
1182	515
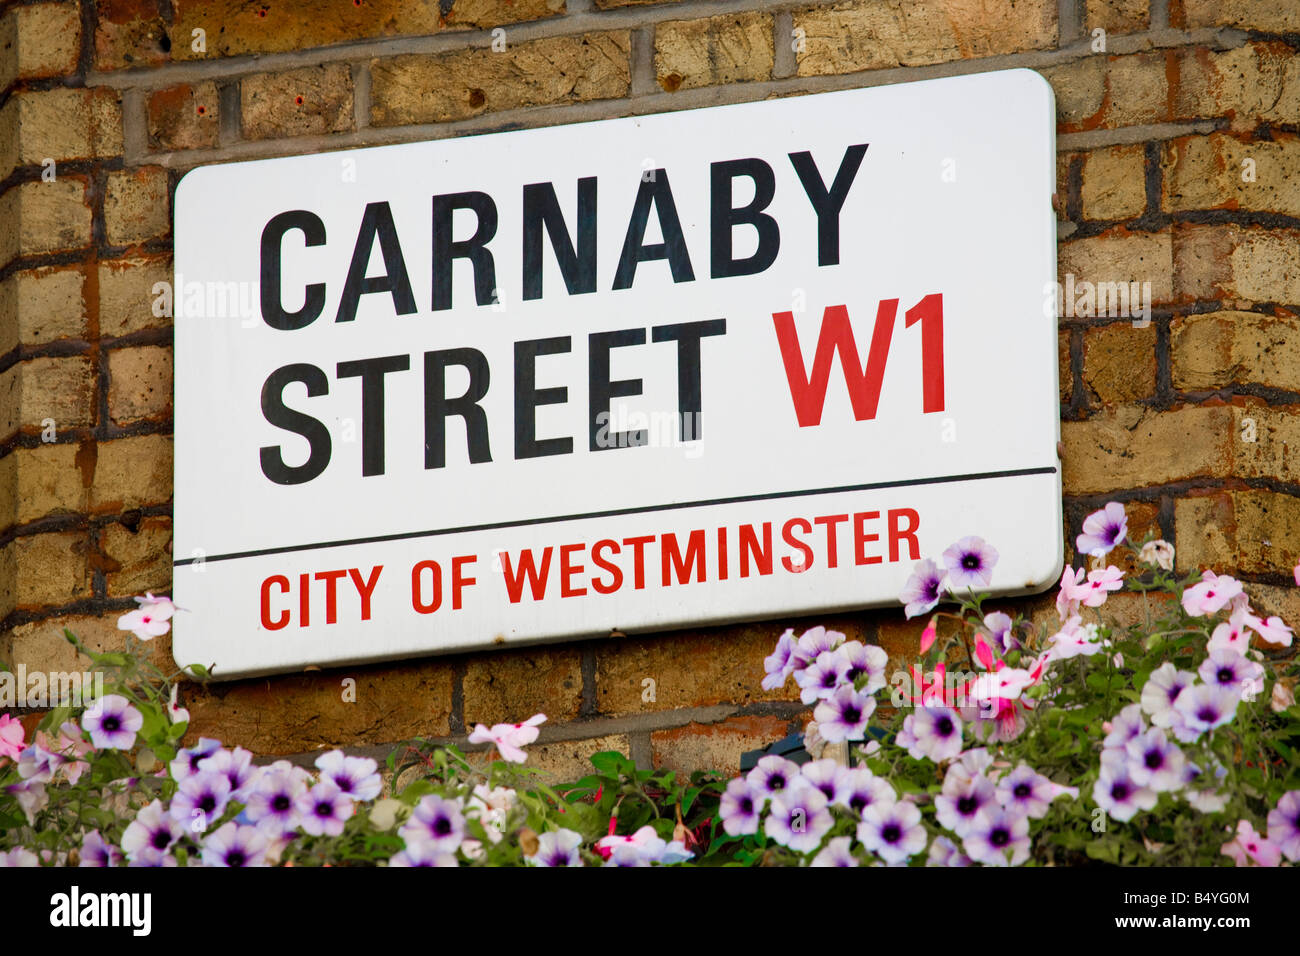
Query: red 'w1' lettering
808	391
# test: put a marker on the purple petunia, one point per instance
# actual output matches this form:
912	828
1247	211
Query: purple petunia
844	715
957	807
864	660
923	589
828	776
1117	792
740	807
771	775
187	761
812	643
1027	791
425	854
324	809
836	853
943	852
820	678
799	817
1207	706
557	848
863	789
236	766
1225	667
970	562
779	665
933	732
1284	825
233	845
1155	762
112	722
150	835
273	804
893	831
95	851
437	821
998	837
1162	690
358	777
1124	726
1102	530
200	800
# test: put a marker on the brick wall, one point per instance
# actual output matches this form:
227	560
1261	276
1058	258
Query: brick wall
106	104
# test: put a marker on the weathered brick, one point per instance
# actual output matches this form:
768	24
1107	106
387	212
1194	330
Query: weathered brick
140	383
131	33
1132	447
60	125
184	117
1266	437
50	569
1065	376
1119	257
39	40
138	558
1119	362
305	712
615	4
1117	16
1230	262
234	27
1248	532
436	89
41	481
1106	92
136	206
565	761
716	746
42	305
510	686
1262	15
665	672
870	35
1219	349
132	472
1114	183
312	101
51	217
1258	82
128	301
1221	172
41	644
725	49
39	390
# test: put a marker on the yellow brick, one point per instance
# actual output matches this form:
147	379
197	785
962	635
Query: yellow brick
312	101
1117	16
139	560
51	569
870	34
136	206
1235	348
1119	362
1114	183
42	305
726	49
565	761
39	40
1121	257
436	89
132	472
1265	16
42	646
1258	82
510	686
41	481
60	125
130	295
1220	172
140	383
40	391
51	217
1136	447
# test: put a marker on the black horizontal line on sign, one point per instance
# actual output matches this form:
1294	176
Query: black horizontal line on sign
616	512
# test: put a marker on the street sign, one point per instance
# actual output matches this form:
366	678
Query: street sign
742	362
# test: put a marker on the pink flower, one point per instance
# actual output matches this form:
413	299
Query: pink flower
1073	590
1211	595
11	736
1274	630
149	619
1296	574
1100	582
927	636
509	738
1249	847
1231	634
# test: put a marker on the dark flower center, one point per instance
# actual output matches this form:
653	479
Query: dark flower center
858	803
1225	675
1022	790
828	789
1119	792
111	724
160	839
236	858
1000	837
207	803
891	833
280	803
776	782
852	714
970	561
746	805
944	726
967	805
324	809
442	826
1207	715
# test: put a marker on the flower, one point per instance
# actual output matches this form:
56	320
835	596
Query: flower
273	803
31	796
112	722
1076	638
18	857
11	736
1231	634
933	732
740	806
237	767
1282	698
437	821
1204	707
943	852
358	777
799	817
1074	588
1158	554
187	761
509	738
235	845
836	853
863	789
828	776
1274	630
960	803
1126	725
1154	761
1103	530
557	848
175	712
928	637
999	625
970	562
923	589
150	619
200	800
1117	792
812	643
324	809
771	775
844	715
1249	847
864	660
893	831
1025	790
1211	595
422	854
1228	668
1284	825
149	836
641	848
95	851
1162	690
1100	582
779	665
998	837
819	679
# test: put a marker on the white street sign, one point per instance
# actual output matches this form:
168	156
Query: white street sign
733	363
